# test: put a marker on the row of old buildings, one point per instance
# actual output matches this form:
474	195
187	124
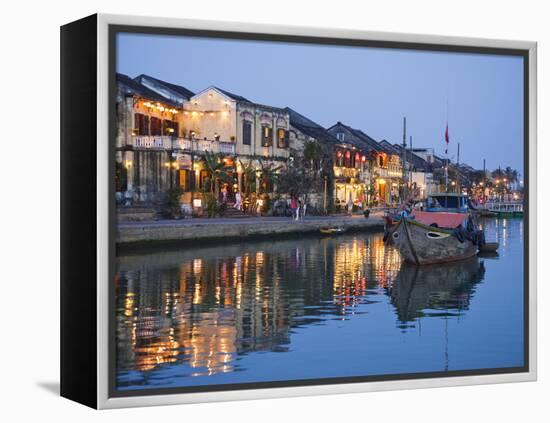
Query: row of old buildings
164	130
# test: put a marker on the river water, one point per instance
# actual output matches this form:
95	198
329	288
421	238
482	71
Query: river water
314	307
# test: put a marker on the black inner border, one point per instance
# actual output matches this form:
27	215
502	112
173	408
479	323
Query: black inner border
115	29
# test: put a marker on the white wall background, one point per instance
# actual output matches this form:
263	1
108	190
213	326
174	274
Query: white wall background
29	234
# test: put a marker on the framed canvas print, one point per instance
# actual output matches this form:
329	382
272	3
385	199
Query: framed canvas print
253	211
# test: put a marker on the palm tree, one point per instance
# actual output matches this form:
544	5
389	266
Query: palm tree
511	175
313	153
268	173
249	176
216	169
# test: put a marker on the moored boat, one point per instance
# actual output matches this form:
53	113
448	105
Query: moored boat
432	237
332	231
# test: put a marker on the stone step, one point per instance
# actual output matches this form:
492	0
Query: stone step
128	214
231	211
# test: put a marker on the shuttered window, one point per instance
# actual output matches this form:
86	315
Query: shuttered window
156	126
282	138
247	133
267	136
141	124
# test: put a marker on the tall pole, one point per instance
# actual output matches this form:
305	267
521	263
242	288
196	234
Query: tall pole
447	152
410	157
458	167
404	159
325	196
484	178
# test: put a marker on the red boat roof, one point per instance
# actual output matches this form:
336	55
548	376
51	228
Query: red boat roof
442	219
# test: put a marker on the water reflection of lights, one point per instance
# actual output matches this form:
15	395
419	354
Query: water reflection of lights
354	262
209	309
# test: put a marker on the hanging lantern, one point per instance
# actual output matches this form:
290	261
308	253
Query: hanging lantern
339	154
348	154
364	158
357	157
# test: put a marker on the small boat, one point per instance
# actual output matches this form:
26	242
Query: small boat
332	231
433	237
488	247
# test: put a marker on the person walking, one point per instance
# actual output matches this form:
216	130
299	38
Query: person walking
293	206
238	201
299	210
350	207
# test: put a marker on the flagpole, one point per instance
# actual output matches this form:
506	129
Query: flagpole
447	148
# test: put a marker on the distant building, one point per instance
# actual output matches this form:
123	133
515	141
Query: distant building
419	173
381	166
303	131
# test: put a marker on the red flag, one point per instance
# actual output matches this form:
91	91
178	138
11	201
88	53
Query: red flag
447	138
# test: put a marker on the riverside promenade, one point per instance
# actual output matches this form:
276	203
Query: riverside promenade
203	229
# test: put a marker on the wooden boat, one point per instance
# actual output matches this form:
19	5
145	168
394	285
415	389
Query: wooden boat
332	231
431	237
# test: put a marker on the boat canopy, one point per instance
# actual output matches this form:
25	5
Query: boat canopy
441	219
449	201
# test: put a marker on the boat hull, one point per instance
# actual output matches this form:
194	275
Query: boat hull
420	244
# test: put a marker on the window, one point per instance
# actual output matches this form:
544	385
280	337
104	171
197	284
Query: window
155	126
169	127
141	124
267	136
340	136
247	133
282	138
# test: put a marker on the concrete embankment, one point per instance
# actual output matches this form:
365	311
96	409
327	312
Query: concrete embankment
172	232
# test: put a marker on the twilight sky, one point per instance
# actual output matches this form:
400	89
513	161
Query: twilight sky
367	88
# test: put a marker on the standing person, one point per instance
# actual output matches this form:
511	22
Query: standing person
304	208
299	210
293	206
350	206
238	201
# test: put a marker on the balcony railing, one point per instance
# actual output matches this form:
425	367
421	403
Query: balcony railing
172	143
224	147
152	141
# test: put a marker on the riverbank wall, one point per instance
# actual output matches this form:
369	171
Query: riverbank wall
180	232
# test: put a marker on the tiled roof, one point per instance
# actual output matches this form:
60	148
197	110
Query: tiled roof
136	88
234	96
309	127
184	92
418	162
360	140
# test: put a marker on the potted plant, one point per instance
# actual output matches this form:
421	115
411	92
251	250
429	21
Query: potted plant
173	202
